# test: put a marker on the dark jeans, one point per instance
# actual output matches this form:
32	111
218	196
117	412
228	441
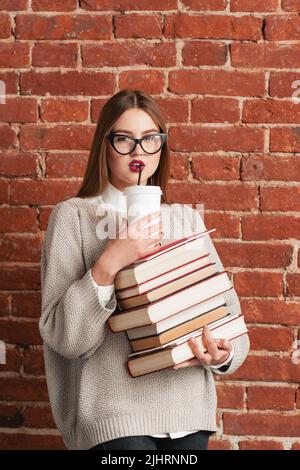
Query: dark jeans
195	441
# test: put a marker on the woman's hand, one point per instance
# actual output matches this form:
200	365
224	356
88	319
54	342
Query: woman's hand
132	242
218	351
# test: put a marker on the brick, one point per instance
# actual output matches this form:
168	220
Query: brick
260	424
10	416
66	165
114	54
42	192
183	25
5	26
258	284
138	26
96	107
53	5
26	304
13	5
15	163
10	80
215	168
266	369
216	82
179	167
55	55
230	396
116	5
19	332
18	219
282	28
23	389
260	445
19	110
204	4
68	83
258	167
4	305
265	55
204	53
38	417
13	359
219	444
209	139
214	196
270	111
270	398
283	84
44	217
270	227
8	136
253	5
270	339
14	55
262	255
14	247
273	311
291	5
20	278
4	191
277	198
215	110
151	81
173	109
38	26
59	110
34	362
284	139
30	441
60	137
293	283
226	225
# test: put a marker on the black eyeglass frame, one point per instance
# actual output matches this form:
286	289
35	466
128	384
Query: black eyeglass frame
136	141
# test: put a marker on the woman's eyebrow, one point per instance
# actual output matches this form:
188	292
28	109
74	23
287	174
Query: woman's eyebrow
129	132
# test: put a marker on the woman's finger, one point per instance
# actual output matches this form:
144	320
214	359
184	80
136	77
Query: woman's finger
204	358
224	344
210	342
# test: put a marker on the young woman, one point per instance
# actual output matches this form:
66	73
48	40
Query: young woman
96	404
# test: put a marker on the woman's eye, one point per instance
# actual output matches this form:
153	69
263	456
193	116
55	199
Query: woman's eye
120	138
150	137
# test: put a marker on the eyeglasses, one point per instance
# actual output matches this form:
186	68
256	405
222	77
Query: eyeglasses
124	144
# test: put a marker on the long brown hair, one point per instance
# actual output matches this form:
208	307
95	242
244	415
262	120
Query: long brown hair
96	177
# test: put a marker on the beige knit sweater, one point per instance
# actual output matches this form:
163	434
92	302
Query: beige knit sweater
92	396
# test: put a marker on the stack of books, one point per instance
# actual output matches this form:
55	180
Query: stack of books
167	297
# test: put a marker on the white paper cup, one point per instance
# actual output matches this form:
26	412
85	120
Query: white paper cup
141	201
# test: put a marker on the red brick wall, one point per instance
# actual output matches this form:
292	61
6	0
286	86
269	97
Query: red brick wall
222	72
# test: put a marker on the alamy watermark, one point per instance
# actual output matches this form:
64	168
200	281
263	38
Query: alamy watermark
296	352
180	220
2	92
296	93
2	352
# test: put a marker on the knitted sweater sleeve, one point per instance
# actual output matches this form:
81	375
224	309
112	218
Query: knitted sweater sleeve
73	321
242	343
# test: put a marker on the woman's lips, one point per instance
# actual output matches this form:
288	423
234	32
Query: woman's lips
135	166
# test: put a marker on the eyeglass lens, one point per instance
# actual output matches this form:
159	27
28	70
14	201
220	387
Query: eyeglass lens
150	143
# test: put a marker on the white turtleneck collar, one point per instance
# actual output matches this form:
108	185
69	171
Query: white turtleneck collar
112	196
